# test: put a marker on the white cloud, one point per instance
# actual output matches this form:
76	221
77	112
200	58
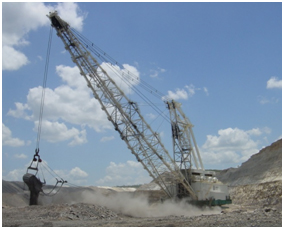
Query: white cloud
20	156
78	173
273	82
71	76
178	94
127	82
264	100
107	139
15	175
230	146
8	140
185	93
254	131
20	111
57	132
74	176
12	59
151	116
19	18
71	102
206	90
229	138
154	73
162	70
128	173
219	159
72	14
266	130
191	89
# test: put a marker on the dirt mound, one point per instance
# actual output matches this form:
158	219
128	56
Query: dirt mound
13	194
265	166
12	186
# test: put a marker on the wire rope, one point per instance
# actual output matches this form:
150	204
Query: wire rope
145	98
36	157
43	87
60	180
103	56
49	170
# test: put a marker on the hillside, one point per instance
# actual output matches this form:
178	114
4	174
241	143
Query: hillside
258	181
265	166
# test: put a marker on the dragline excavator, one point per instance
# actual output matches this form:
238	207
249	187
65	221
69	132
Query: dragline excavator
180	176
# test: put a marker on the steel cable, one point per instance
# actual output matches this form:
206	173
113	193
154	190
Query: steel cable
103	56
43	87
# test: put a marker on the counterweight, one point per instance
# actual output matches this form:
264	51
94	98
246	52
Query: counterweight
124	114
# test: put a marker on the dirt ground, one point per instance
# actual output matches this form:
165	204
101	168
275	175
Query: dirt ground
91	215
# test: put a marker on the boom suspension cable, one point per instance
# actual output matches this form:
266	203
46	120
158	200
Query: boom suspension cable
127	76
105	57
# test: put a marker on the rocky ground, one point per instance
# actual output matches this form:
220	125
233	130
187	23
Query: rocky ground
85	215
255	188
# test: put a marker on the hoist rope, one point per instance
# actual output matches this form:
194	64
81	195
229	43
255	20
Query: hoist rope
43	87
37	160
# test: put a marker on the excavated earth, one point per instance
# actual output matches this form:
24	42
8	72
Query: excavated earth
255	188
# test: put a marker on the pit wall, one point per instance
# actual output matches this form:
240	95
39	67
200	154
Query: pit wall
264	194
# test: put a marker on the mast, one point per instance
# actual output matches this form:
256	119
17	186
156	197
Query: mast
123	113
184	145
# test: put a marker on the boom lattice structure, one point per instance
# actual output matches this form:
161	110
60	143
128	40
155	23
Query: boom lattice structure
124	114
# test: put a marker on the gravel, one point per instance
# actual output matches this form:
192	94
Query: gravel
86	215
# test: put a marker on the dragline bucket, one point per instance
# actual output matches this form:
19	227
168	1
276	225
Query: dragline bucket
35	187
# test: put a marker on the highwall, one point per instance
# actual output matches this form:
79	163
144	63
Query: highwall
264	194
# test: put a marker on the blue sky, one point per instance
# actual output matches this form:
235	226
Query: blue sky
222	61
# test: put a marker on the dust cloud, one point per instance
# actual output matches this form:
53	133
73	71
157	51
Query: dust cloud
137	206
